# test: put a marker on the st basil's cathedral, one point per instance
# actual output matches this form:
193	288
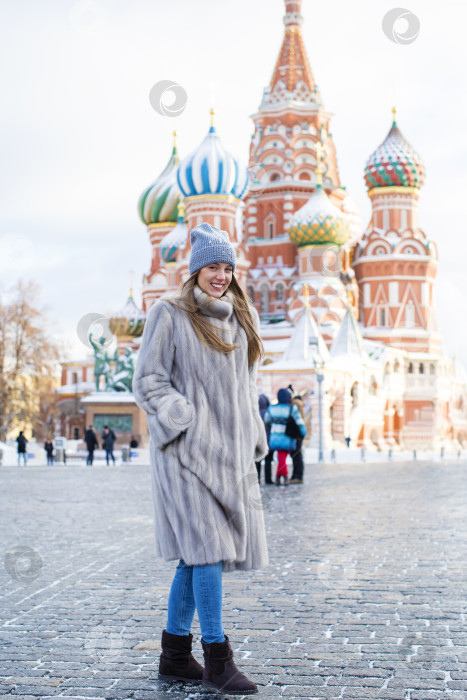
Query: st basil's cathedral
350	307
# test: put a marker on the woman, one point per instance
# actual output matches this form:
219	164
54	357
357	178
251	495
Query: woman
276	416
196	379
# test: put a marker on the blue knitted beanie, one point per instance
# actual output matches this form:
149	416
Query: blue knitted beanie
284	396
210	245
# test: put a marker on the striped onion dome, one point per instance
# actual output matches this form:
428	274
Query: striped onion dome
158	203
129	320
176	239
394	163
319	222
210	169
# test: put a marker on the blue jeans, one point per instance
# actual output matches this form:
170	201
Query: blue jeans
200	588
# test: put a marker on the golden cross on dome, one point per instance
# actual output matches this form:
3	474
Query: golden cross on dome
131	273
394	112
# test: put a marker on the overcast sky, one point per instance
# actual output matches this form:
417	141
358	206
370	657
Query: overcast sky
80	140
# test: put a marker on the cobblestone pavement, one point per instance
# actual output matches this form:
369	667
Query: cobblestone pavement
365	596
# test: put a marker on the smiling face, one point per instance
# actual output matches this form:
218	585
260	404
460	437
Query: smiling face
214	279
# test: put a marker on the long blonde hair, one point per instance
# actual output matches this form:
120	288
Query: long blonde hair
204	329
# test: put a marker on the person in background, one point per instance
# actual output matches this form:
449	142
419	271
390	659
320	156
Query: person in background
347	440
133	442
91	444
276	416
108	441
297	455
263	403
22	448
49	449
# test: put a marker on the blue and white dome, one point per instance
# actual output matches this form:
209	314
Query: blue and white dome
210	169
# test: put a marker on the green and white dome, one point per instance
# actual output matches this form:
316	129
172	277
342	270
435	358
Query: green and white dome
158	203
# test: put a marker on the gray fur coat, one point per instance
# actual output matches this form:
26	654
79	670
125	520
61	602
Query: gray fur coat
206	432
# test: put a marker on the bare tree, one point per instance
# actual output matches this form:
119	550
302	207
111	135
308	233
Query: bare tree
28	357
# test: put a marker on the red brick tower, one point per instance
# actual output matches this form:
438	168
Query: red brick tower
395	263
289	124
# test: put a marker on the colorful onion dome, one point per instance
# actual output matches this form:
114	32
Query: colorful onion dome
176	239
319	222
129	321
210	169
158	203
394	163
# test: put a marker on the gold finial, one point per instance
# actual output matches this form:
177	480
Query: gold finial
306	294
181	209
212	112
175	139
131	273
394	112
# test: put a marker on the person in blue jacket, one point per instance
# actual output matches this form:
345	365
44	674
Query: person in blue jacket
276	416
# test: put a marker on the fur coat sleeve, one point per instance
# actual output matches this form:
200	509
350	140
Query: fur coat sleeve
171	412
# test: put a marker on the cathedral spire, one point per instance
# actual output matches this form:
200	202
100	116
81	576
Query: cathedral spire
292	73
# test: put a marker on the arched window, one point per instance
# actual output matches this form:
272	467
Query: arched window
373	388
421	368
396	365
432	369
410	369
354	394
264	295
269	227
280	291
274	177
382	317
251	293
74	378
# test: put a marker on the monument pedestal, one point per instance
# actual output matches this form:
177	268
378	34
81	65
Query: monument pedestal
119	411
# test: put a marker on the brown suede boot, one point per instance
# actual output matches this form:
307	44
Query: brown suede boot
176	662
220	671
